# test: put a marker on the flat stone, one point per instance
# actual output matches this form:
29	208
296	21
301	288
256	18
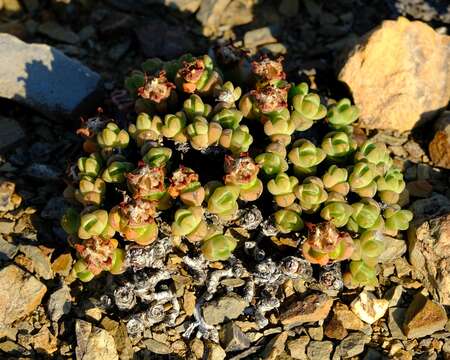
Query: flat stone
313	308
419	188
395	250
257	37
335	329
54	209
352	345
41	262
276	346
59	303
57	32
297	347
423	317
232	338
289	8
429	254
62	264
183	5
368	308
94	343
20	294
319	350
425	209
395	322
215	352
413	59
44	341
157	347
44	79
10	133
227	307
9	200
6	226
393	295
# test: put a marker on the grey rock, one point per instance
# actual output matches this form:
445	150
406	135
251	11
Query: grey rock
319	350
227	307
395	322
94	343
289	7
57	32
41	262
169	43
59	303
43	172
10	133
54	209
7	250
428	208
43	78
20	294
232	337
352	345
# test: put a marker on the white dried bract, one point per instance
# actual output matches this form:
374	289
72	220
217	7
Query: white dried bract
204	330
198	265
152	256
124	297
136	325
251	248
268	228
174	312
249	290
262	307
250	218
154	314
296	268
145	282
330	280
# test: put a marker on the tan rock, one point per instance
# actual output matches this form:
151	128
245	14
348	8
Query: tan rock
275	346
20	294
423	317
297	347
313	308
439	147
44	341
429	254
399	74
335	329
94	343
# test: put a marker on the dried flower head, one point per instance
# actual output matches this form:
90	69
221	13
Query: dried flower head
156	88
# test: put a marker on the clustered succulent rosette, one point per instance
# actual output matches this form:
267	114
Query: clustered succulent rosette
336	198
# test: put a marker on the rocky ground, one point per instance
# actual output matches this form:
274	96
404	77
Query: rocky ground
46	313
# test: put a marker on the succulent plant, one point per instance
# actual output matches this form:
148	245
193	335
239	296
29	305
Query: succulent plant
282	188
112	137
185	184
243	172
190	223
279	129
223	201
305	157
198	75
237	140
226	96
336	210
134	220
338	145
203	134
273	161
116	171
375	153
218	247
89	166
146	128
194	107
90	191
366	216
157	156
335	180
174	127
307	107
184	107
362	179
360	274
311	194
228	118
390	186
396	219
325	244
288	220
95	223
147	183
342	114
